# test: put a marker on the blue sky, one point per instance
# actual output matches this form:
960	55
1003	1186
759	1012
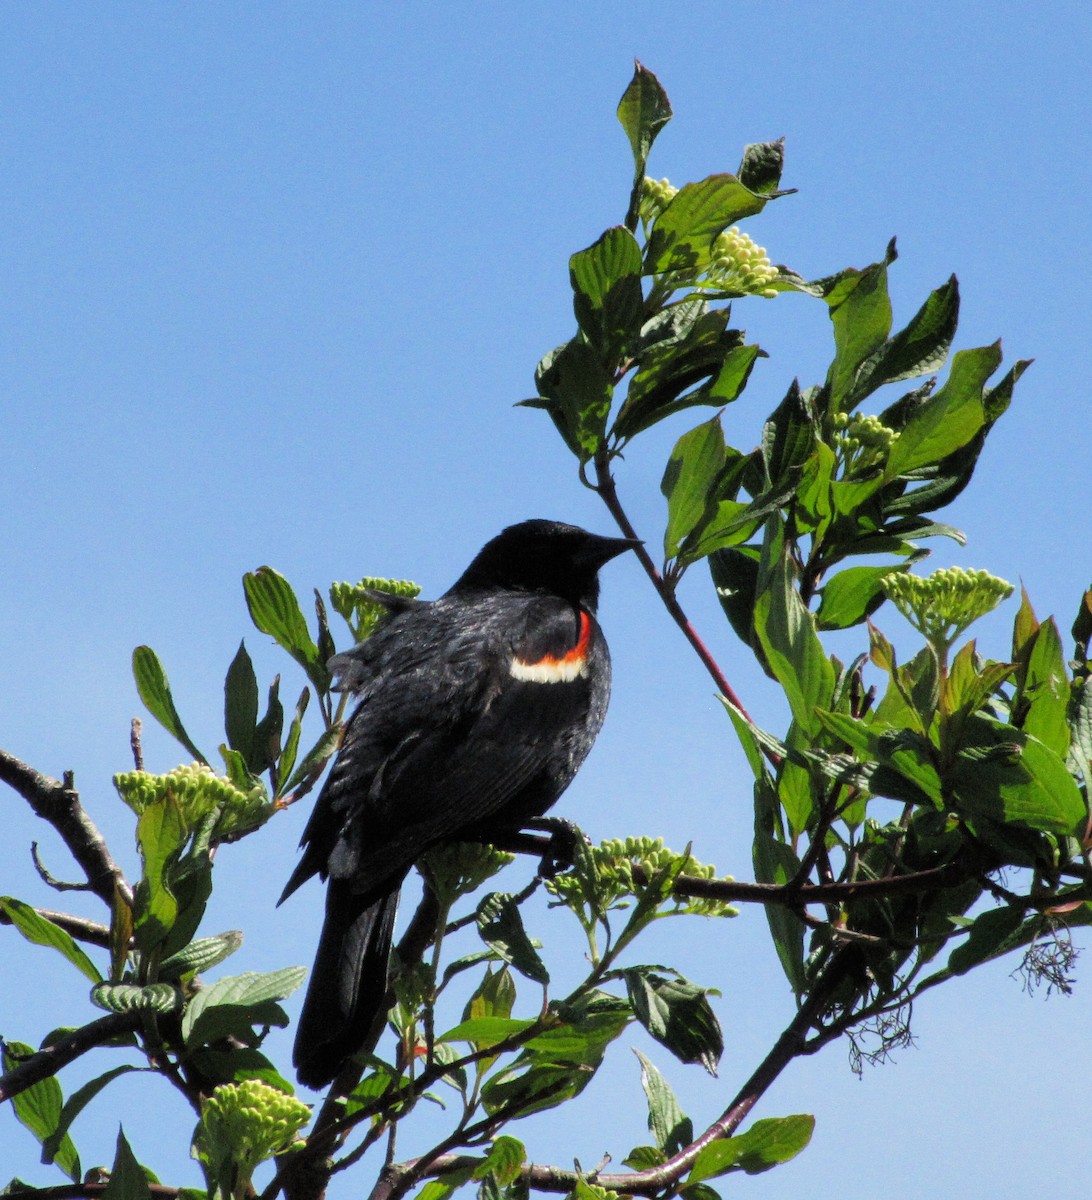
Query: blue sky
275	275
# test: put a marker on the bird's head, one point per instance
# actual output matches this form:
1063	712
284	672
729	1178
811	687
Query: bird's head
544	556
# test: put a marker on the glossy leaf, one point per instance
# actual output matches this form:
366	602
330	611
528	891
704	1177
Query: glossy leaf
793	651
39	1107
76	1103
682	238
992	934
233	1004
1045	690
201	955
677	1014
486	1031
500	926
852	595
860	311
155	694
607	295
161	833
577	389
766	1144
668	374
1008	776
503	1161
670	1127
266	744
920	348
761	166
643	111
240	702
128	1180
275	610
42	932
949	418
691	471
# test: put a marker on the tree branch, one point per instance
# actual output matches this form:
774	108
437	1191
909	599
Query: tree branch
65	1050
608	491
92	932
58	802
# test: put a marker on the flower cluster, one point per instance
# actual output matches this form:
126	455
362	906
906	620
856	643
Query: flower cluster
656	195
623	868
359	608
198	791
246	1123
942	605
460	868
740	265
864	441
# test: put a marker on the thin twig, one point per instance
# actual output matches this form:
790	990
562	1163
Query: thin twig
608	491
58	802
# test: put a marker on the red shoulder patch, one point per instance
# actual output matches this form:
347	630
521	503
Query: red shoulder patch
553	668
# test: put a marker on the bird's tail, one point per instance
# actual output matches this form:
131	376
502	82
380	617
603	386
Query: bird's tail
347	994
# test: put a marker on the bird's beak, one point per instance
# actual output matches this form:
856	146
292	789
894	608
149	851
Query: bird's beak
603	549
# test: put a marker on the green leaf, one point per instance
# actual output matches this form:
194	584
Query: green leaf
237	1002
1045	690
761	166
677	1014
486	1031
766	1144
76	1103
788	437
125	997
38	1107
735	577
693	468
161	833
775	862
992	934
241	703
155	694
607	295
201	955
266	744
683	235
578	389
786	631
128	1180
950	418
905	751
669	372
501	928
860	311
291	747
1006	775
42	932
643	111
852	595
495	996
275	610
504	1161
670	1127
920	348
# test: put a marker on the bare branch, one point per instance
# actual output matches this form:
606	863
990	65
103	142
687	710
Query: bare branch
91	932
50	1060
58	802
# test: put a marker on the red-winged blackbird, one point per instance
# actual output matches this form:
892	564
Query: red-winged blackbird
475	712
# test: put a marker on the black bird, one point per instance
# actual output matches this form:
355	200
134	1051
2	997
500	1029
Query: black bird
475	712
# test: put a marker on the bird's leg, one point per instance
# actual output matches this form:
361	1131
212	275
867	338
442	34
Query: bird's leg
561	851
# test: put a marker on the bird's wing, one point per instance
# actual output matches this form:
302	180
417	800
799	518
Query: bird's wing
464	736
